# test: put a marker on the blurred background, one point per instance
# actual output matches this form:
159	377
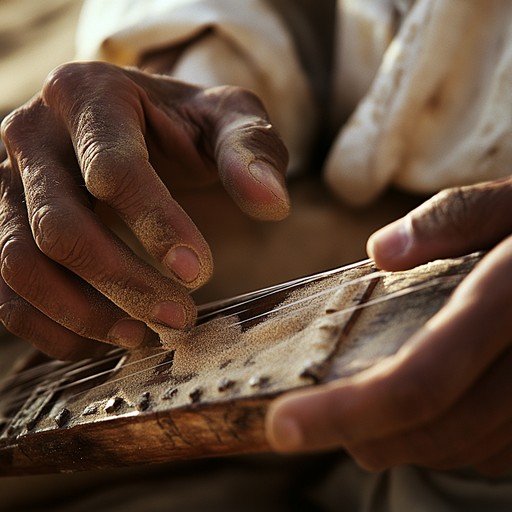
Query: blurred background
35	36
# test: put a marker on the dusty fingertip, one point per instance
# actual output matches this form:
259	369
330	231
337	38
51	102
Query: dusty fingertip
270	178
192	268
283	432
128	333
170	313
184	263
390	243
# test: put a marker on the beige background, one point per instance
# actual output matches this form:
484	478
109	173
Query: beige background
35	36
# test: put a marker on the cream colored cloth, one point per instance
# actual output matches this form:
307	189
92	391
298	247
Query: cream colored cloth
437	113
425	83
249	47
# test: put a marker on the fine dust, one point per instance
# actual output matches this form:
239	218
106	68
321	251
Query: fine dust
274	351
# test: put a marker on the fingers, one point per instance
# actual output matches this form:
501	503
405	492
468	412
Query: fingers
70	237
227	135
422	383
28	323
112	153
105	127
476	429
187	129
452	223
251	157
57	304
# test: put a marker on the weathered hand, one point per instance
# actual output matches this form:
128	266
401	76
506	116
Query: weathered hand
443	401
100	134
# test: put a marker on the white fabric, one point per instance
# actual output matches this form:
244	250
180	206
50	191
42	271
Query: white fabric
437	113
250	48
428	80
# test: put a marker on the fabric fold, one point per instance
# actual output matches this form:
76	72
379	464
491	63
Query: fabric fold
249	47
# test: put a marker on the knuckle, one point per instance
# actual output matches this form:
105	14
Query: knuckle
236	98
12	126
108	173
13	261
21	125
69	81
20	272
252	126
46	228
57	238
10	190
64	81
238	105
15	317
449	209
6	126
457	205
60	78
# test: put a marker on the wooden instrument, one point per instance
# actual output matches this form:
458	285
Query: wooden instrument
206	392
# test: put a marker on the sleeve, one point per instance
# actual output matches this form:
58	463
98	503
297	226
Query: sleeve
249	47
434	105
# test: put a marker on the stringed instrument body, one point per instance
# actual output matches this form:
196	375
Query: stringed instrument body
206	392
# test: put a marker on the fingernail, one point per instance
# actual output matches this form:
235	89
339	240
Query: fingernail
171	314
286	434
184	262
392	241
127	333
269	178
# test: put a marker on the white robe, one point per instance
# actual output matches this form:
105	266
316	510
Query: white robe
425	83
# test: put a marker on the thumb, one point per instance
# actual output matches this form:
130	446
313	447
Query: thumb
452	223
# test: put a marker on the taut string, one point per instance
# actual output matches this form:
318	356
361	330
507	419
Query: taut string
68	370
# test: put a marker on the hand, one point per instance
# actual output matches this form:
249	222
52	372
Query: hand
443	401
99	134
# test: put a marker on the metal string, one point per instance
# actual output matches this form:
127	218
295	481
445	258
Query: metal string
67	370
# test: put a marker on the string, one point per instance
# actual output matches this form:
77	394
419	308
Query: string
342	312
350	309
266	292
397	294
204	314
22	398
347	310
313	296
31	374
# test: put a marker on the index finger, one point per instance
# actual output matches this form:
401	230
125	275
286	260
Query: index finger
108	131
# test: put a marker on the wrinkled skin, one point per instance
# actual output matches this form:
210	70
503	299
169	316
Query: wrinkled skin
101	135
443	400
